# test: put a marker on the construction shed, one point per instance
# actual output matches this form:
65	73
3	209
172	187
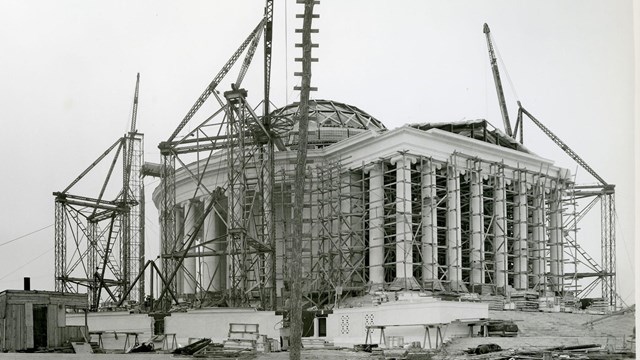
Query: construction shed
37	319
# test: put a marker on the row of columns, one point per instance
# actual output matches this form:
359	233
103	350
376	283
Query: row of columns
537	231
209	270
521	253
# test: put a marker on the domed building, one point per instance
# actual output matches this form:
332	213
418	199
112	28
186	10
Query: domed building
440	207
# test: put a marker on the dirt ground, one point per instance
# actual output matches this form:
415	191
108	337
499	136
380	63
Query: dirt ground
306	355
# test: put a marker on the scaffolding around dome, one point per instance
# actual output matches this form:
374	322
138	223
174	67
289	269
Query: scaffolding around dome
329	122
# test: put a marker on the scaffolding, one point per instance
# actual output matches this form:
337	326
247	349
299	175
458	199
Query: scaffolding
341	198
99	244
241	250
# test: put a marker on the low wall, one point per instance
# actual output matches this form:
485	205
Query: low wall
114	325
347	327
214	323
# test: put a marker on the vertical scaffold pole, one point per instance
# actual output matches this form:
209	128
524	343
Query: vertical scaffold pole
477	220
609	249
60	245
167	219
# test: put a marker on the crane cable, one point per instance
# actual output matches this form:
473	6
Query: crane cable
513	88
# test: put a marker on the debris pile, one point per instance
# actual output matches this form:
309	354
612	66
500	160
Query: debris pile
588	351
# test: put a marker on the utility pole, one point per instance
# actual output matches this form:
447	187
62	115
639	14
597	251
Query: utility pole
295	312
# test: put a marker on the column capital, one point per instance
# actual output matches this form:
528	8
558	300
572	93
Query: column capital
374	167
402	159
190	202
430	165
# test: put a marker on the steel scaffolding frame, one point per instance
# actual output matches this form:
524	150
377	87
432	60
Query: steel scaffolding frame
341	231
523	191
106	234
248	144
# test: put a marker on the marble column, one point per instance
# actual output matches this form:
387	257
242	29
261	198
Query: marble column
454	231
430	279
404	234
499	233
213	272
189	263
376	224
521	251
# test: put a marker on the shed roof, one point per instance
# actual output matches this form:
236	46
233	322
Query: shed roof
79	301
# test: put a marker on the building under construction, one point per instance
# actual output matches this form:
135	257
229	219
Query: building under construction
449	207
441	208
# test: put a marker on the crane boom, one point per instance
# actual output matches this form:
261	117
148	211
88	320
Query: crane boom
134	114
496	79
564	146
216	80
132	134
248	58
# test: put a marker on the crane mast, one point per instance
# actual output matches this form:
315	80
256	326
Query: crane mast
496	79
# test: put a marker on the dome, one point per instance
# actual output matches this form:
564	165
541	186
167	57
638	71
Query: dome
329	122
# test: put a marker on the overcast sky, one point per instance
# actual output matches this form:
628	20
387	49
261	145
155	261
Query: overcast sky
67	74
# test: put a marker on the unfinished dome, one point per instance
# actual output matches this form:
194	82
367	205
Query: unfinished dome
329	122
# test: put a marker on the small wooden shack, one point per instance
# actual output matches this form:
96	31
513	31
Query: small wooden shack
37	319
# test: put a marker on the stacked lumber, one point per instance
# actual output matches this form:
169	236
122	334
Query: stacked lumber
495	302
525	300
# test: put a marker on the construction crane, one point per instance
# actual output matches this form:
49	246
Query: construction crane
605	192
498	82
216	80
572	154
130	266
100	224
250	142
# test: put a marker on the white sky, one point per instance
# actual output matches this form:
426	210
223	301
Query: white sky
67	73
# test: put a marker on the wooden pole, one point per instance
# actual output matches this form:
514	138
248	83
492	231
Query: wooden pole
295	312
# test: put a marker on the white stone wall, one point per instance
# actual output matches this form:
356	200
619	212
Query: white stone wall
214	323
115	322
346	327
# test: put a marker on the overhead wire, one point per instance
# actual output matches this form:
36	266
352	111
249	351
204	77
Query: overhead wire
23	265
25	235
